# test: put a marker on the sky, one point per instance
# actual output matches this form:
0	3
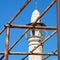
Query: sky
8	9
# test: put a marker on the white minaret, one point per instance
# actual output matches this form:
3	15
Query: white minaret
35	38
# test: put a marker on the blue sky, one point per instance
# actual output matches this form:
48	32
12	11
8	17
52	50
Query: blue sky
8	9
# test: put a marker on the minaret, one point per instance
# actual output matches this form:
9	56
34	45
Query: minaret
35	37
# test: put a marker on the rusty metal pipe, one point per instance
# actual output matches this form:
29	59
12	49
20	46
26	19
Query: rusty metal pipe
7	42
33	27
58	25
2	53
28	53
2	30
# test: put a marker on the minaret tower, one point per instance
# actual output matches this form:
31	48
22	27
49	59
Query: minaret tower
35	37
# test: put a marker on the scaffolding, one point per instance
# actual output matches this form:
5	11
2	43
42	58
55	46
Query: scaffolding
27	27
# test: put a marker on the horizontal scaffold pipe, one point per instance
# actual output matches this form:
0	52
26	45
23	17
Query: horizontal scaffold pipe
29	53
33	27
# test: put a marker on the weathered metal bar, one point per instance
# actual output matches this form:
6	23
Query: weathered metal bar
41	43
19	11
2	30
58	25
33	23
7	42
1	52
33	27
49	55
28	53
